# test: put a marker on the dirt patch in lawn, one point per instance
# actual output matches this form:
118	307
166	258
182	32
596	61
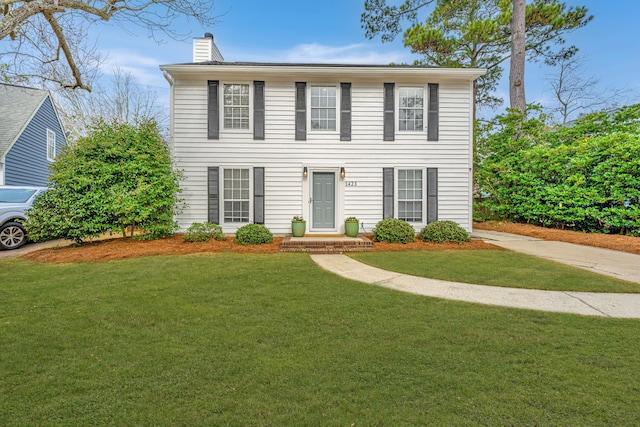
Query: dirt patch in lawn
607	241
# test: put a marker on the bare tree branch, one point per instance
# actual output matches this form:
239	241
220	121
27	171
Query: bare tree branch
20	22
574	92
121	98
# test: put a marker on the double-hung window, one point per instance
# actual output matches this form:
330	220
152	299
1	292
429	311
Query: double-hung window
411	109
236	195
323	108
236	106
410	195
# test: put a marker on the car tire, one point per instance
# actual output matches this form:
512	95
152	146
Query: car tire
12	235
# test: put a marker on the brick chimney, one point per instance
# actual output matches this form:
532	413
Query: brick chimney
205	50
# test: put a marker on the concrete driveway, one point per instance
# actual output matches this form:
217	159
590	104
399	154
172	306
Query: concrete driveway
621	265
31	247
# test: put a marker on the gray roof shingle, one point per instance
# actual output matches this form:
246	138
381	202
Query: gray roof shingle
18	104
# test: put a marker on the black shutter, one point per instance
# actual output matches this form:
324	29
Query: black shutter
389	116
387	193
301	111
213	191
432	194
258	195
213	110
258	110
433	114
345	112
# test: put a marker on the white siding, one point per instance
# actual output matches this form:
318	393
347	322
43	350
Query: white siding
286	192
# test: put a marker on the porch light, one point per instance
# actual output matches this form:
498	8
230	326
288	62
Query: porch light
342	174
305	172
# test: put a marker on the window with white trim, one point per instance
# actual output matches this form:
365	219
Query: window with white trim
411	109
51	145
236	195
410	195
323	108
236	106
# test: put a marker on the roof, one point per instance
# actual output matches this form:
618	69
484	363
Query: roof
18	105
361	70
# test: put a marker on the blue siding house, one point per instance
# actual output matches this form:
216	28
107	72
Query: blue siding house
31	135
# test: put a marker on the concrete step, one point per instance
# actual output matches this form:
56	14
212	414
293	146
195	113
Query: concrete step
326	244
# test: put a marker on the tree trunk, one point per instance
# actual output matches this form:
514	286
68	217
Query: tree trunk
516	72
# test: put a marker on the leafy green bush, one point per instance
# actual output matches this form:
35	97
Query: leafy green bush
199	232
253	234
582	177
393	230
444	231
118	177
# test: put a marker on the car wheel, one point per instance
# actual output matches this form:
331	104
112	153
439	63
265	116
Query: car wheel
12	236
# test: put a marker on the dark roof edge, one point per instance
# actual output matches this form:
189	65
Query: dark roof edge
297	64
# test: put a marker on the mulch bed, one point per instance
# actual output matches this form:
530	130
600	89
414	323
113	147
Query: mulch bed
121	248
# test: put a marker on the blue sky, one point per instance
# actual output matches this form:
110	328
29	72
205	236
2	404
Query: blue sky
329	31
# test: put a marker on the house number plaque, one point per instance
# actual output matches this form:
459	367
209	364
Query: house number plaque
352	183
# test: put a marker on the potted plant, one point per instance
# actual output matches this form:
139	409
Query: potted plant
351	226
298	226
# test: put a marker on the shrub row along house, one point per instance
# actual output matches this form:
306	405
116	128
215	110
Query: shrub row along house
263	142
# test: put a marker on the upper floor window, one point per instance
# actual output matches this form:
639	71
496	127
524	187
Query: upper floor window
323	108
411	109
236	106
51	145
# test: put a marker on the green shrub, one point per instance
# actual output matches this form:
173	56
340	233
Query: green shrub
444	231
392	230
117	177
253	234
580	177
199	232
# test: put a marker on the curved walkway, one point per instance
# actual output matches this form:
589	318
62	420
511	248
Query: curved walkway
618	264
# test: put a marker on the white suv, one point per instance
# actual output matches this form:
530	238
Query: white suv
14	203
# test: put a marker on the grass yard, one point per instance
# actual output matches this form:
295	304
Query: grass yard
496	268
228	339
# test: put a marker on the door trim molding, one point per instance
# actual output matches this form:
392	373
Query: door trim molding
339	202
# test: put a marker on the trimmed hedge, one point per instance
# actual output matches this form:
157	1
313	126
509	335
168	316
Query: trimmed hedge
203	232
444	231
584	177
253	234
393	230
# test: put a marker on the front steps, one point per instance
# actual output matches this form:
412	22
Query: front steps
326	244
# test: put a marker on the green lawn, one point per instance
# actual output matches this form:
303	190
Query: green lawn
231	339
496	268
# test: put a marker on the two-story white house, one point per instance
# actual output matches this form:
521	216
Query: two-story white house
263	142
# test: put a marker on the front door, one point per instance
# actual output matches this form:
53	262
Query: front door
323	207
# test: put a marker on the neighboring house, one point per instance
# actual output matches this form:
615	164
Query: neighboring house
262	142
31	135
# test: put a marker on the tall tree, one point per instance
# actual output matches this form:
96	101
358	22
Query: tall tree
49	38
472	33
518	45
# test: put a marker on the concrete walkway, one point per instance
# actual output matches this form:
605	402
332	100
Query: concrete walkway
613	263
32	247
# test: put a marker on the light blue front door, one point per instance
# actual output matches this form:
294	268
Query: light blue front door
324	200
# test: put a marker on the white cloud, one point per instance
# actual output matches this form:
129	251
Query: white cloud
143	68
316	53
